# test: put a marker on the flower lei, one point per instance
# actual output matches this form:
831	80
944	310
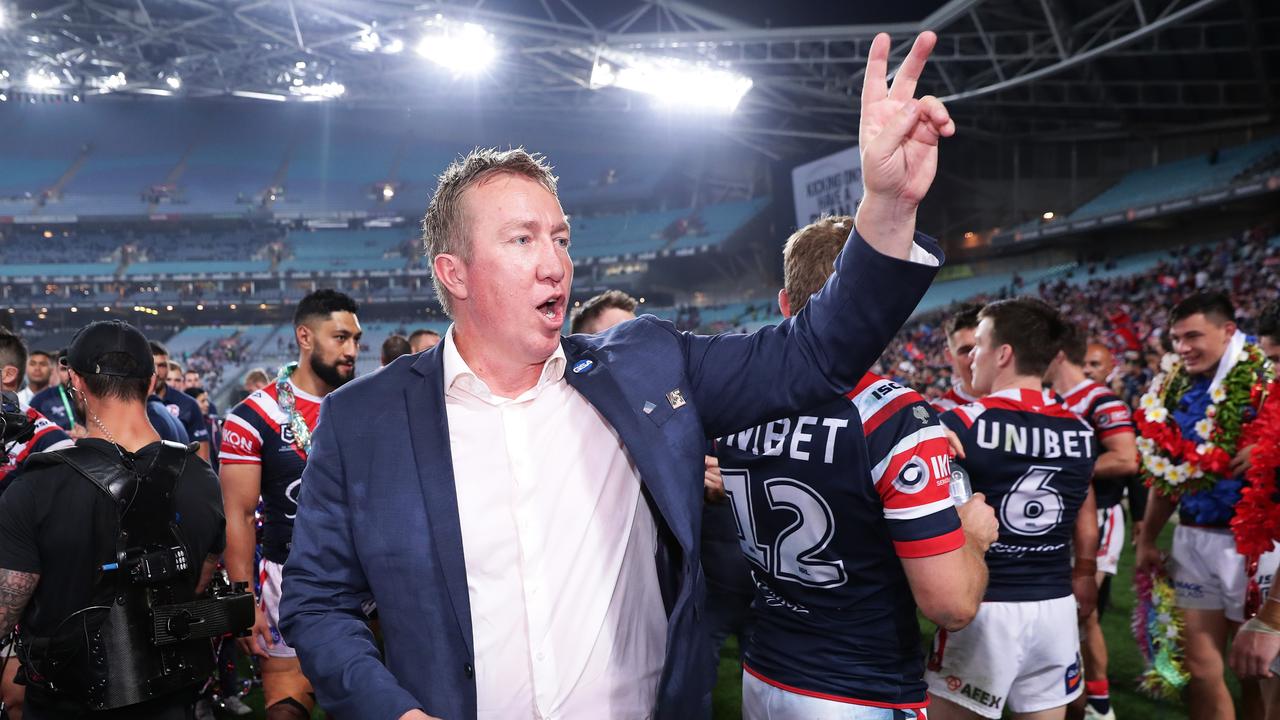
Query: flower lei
288	405
1256	524
1157	626
1173	464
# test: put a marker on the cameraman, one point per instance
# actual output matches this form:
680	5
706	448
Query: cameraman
96	537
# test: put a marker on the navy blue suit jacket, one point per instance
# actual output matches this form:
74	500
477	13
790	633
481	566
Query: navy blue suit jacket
378	512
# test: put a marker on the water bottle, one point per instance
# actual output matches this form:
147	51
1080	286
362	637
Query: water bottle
961	489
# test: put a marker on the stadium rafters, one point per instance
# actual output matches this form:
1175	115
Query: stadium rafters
1048	68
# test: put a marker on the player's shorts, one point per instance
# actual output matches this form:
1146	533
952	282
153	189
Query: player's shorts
1110	538
1024	656
269	600
763	701
1208	573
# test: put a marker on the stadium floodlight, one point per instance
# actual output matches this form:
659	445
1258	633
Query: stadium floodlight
174	82
251	95
463	48
42	79
371	41
1048	215
324	91
673	82
154	91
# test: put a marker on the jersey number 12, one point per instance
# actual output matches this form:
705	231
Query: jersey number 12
792	555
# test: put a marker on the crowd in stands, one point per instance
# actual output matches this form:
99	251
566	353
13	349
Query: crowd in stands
1126	312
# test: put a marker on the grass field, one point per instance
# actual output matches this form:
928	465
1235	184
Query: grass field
1125	660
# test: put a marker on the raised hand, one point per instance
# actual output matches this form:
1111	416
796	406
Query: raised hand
898	139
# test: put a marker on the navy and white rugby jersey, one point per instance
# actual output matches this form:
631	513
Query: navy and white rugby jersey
1033	458
1109	416
952	399
257	432
826	503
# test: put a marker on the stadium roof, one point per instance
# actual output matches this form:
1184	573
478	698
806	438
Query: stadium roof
1043	68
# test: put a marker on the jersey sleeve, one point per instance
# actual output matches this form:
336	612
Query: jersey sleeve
47	436
911	469
241	437
1110	416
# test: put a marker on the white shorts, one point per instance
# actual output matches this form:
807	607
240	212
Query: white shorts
1208	573
763	701
269	601
1021	655
1110	538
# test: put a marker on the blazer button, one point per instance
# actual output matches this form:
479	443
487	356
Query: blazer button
469	671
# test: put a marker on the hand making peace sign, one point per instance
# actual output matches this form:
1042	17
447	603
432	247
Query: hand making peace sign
898	139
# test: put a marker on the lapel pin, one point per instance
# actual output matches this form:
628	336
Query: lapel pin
675	398
582	366
648	407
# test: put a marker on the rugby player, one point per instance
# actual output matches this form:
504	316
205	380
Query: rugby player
845	515
265	442
1034	459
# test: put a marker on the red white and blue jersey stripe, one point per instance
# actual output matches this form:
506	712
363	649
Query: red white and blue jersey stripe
827	503
1109	416
1033	459
257	432
48	436
952	399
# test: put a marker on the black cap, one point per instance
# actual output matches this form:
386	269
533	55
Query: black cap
97	339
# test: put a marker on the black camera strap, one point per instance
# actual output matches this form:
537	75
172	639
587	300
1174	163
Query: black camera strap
116	475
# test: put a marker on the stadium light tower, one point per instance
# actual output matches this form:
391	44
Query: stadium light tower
673	82
463	48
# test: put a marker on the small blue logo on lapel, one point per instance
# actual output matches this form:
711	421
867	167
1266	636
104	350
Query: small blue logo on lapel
582	366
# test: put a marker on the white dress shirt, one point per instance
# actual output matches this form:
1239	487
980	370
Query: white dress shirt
566	613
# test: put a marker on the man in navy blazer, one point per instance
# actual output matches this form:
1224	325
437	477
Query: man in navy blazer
388	505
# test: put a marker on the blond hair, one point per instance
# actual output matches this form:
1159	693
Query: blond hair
809	257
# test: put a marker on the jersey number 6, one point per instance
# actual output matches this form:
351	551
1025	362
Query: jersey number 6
792	554
1031	506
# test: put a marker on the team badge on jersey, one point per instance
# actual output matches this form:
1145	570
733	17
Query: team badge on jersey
676	398
913	477
919	413
582	366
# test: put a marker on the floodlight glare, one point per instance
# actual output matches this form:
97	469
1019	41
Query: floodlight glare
463	48
41	80
675	83
325	91
173	81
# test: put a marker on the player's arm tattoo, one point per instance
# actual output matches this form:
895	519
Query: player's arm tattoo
15	591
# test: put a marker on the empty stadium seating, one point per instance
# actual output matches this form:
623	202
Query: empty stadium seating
1175	180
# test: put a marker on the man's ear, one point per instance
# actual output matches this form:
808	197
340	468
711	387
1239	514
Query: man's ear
1004	356
9	376
1230	327
784	303
303	335
451	271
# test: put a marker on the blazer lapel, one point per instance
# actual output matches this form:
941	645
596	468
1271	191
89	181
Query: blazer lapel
586	374
429	433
